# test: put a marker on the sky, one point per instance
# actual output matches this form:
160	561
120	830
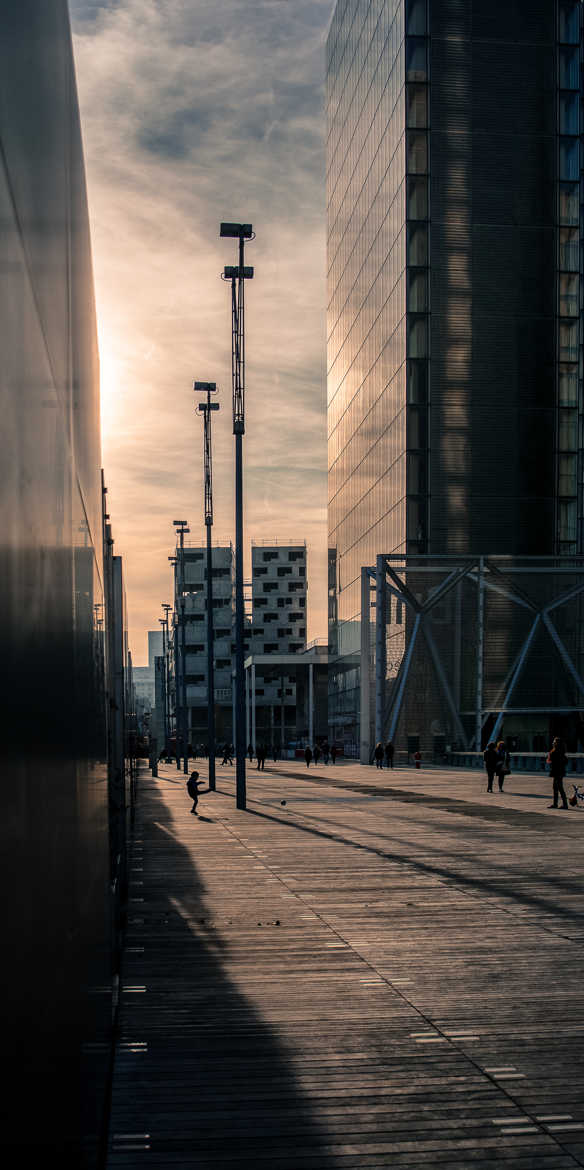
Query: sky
193	112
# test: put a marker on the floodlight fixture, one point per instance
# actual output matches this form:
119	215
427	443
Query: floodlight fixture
243	231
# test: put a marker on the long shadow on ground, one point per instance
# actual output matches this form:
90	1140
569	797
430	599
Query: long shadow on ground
215	1085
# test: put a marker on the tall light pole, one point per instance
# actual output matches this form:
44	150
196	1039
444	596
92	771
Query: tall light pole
206	407
238	275
173	561
165	642
181	530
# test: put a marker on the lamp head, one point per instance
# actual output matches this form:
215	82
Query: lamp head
238	230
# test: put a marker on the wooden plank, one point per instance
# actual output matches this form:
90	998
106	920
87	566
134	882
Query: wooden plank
381	971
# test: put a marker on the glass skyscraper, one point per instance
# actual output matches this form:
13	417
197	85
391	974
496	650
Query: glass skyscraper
454	273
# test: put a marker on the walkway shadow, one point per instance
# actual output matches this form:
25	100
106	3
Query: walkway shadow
216	1084
475	885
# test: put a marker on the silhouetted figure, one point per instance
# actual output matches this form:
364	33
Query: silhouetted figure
558	762
193	791
389	754
250	752
276	753
326	751
308	755
502	768
333	754
490	758
378	754
227	754
261	756
316	754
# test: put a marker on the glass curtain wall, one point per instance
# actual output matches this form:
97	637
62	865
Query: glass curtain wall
569	516
378	305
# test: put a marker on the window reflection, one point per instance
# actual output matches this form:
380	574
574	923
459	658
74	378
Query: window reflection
416	59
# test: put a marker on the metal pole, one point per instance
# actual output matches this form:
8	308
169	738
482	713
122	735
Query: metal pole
240	274
365	716
247	731
480	653
380	646
311	704
240	745
176	679
183	678
210	657
206	408
253	707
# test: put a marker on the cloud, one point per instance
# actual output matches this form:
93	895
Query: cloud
193	113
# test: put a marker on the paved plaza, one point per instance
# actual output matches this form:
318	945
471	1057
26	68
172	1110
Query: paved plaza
383	971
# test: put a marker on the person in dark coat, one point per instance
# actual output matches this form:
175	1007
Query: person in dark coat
316	754
389	754
502	767
333	754
490	758
250	752
558	762
379	756
308	755
227	754
261	756
326	751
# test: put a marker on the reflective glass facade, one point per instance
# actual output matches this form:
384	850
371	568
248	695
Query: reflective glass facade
57	928
367	249
454	306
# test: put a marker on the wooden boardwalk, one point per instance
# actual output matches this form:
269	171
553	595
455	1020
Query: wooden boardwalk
384	971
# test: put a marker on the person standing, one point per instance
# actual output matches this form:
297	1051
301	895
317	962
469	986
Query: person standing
389	754
558	762
379	756
316	754
308	755
502	767
490	758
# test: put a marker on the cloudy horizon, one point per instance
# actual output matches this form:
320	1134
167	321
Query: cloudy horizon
192	114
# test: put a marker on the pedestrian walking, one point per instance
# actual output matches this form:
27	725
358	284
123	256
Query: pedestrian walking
490	758
558	762
261	753
333	754
379	755
389	754
193	790
316	754
502	767
308	755
227	754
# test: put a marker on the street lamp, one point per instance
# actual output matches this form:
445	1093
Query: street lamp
174	562
209	388
165	640
238	275
181	530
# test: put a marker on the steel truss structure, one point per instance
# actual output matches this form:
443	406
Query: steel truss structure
463	636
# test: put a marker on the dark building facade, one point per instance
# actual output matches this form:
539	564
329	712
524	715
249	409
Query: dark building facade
59	932
454	270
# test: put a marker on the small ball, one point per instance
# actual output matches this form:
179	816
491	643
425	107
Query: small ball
282	802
